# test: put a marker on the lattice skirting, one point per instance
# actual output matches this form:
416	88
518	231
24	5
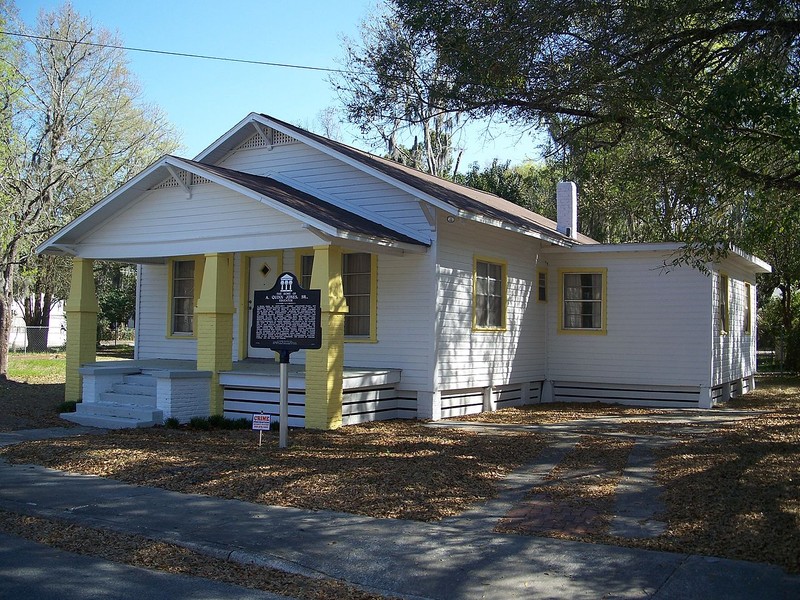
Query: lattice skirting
457	403
633	395
358	405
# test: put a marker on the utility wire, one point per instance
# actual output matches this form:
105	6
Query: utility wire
179	54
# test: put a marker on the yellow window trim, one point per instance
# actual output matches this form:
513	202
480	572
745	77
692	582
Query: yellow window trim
244	294
504	302
372	338
298	261
748	315
199	264
373	292
603	299
726	317
539	272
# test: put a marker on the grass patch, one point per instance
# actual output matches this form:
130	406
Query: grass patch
37	368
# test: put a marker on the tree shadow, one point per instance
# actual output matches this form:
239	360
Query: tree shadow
30	405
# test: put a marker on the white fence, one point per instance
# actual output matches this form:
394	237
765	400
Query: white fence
37	339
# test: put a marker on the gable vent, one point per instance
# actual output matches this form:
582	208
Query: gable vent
171	182
257	141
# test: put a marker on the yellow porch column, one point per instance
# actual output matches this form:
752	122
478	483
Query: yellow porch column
214	316
324	366
81	309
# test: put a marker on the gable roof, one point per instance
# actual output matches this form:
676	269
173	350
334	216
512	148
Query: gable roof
303	202
317	213
452	197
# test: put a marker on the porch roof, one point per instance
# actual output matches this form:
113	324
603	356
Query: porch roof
322	218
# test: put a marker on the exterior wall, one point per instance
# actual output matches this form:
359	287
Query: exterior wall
165	222
151	319
404	322
734	351
468	359
305	165
657	329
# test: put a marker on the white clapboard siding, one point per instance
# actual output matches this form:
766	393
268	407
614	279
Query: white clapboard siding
165	222
468	358
404	321
151	319
657	332
734	351
313	168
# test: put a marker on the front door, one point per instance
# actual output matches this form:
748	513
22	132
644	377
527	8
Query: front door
264	271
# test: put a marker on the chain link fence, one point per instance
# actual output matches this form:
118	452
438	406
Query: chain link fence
37	339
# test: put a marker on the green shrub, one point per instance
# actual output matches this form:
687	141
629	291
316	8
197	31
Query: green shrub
200	423
68	406
172	423
218	422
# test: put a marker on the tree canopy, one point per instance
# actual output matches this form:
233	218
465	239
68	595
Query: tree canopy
74	128
390	88
717	80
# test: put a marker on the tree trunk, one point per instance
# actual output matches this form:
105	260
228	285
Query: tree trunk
5	332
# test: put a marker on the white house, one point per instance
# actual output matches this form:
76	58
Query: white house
437	300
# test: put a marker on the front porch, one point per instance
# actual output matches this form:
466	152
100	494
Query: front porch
142	393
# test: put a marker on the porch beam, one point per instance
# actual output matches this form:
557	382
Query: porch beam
324	367
214	322
81	310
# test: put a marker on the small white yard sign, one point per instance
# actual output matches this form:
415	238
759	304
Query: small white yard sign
261	422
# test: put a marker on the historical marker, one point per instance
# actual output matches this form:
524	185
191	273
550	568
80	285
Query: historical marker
286	319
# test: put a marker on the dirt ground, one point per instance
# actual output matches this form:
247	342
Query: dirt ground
731	492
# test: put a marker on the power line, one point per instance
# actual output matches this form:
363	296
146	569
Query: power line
179	54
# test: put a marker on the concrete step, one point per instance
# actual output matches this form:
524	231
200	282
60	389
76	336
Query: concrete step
125	398
105	422
125	411
134	389
140	379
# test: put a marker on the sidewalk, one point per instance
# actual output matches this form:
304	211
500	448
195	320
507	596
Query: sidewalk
405	558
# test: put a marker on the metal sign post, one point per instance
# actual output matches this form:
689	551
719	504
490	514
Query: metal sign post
286	318
283	423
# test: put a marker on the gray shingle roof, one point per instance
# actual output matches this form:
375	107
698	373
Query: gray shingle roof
305	203
461	197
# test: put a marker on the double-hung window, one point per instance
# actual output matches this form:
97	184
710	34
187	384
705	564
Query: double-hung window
489	303
357	284
583	301
182	298
359	287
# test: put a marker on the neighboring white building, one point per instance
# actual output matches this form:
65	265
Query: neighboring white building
458	300
56	331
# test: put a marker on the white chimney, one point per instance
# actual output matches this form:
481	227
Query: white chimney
567	209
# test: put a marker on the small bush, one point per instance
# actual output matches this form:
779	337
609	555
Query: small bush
200	423
172	423
217	422
68	406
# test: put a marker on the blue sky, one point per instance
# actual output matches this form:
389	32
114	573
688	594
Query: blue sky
204	99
